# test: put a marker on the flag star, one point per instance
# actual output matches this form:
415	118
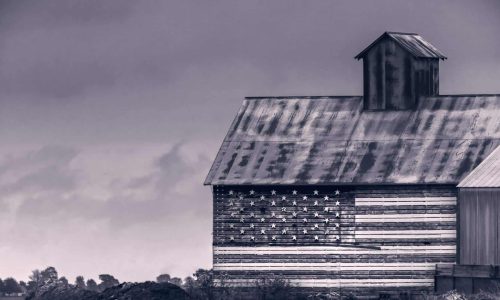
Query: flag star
326	198
242	231
337	215
337	237
337	225
231	226
252	192
273	192
326	209
262	197
283	198
252	215
252	238
232	214
231	192
294	237
274	238
315	192
283	231
283	209
327	220
241	209
242	220
305	220
337	203
294	203
294	192
316	226
273	225
241	197
273	203
231	238
231	203
283	219
304	231
273	214
337	192
305	197
316	214
252	203
252	226
316	238
294	214
262	220
316	203
305	209
262	231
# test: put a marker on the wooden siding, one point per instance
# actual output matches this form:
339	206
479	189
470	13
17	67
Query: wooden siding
479	226
376	251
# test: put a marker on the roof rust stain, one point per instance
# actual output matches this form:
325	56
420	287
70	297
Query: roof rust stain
330	140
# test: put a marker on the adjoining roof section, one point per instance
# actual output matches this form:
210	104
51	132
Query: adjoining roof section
487	174
331	140
412	42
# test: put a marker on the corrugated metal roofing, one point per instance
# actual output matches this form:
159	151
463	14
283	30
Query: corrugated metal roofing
412	42
487	174
330	140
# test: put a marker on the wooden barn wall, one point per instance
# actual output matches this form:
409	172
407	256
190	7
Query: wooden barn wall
387	238
394	79
479	226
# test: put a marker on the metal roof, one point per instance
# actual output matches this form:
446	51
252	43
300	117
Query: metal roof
412	42
487	174
331	140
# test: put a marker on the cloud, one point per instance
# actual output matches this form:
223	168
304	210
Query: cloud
54	199
47	169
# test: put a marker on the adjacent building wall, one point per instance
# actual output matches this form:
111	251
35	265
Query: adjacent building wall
390	238
479	226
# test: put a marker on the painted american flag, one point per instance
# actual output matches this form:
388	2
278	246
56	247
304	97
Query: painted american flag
346	238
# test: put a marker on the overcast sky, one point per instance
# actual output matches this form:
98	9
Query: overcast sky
112	111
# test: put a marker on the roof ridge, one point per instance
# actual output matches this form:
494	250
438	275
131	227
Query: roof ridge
406	33
463	95
305	97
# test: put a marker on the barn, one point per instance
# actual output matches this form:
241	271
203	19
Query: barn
356	194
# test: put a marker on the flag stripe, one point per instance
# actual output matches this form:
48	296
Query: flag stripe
395	201
344	266
406	218
322	250
410	282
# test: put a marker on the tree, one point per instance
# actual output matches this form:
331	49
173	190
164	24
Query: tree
176	280
163	278
80	282
49	275
205	282
2	287
35	281
11	286
63	280
107	281
92	285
